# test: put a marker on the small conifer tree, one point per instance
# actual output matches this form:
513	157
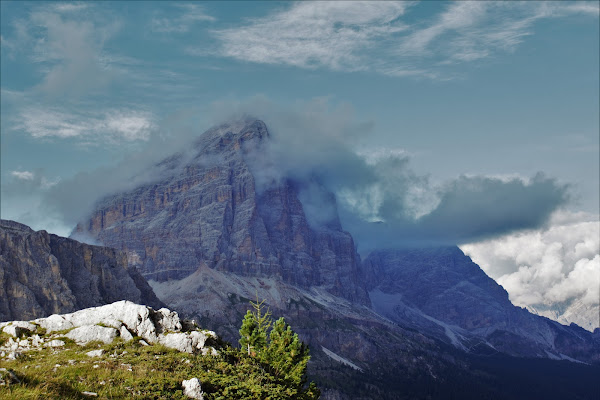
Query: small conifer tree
253	333
286	354
279	352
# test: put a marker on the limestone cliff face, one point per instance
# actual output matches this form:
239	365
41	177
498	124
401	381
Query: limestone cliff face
42	274
206	212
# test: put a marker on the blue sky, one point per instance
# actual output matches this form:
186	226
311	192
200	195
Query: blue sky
465	88
452	107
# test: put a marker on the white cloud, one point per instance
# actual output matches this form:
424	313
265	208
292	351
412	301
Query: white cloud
190	14
25	175
66	44
70	7
314	34
548	269
110	126
370	36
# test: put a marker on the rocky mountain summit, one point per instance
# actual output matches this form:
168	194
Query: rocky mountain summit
43	274
209	239
206	212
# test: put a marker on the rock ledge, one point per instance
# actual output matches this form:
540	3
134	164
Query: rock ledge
120	319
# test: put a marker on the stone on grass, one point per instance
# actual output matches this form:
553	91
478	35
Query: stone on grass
8	377
18	328
192	389
95	353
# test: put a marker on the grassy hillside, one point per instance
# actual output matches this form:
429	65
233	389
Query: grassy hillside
133	370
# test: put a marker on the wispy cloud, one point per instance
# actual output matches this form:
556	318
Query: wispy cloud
24	175
70	7
373	36
66	45
111	126
314	34
190	14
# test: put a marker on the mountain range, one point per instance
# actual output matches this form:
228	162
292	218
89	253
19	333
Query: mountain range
402	323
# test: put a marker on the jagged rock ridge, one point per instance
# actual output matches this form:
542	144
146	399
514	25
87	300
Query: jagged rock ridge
43	274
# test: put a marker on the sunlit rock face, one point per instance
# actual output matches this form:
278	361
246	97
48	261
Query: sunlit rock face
204	211
43	274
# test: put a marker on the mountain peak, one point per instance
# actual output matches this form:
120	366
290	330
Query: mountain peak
233	132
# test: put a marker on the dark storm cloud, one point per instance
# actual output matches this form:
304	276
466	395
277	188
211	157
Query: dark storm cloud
469	209
479	207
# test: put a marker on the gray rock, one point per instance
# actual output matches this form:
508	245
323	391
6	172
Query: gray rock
185	342
43	274
12	330
55	323
141	320
125	334
13	355
92	333
192	389
95	353
18	328
8	377
122	318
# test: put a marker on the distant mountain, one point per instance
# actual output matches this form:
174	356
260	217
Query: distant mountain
443	291
406	324
43	274
575	311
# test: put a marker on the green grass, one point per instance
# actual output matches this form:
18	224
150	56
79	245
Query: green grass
125	370
129	370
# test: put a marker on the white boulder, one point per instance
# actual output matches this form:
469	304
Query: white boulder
105	323
18	328
192	389
95	353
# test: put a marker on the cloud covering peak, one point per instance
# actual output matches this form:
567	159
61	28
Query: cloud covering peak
381	200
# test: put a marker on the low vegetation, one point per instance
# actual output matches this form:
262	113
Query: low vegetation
270	367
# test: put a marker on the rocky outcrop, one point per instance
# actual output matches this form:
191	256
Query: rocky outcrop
205	211
444	293
120	319
43	274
